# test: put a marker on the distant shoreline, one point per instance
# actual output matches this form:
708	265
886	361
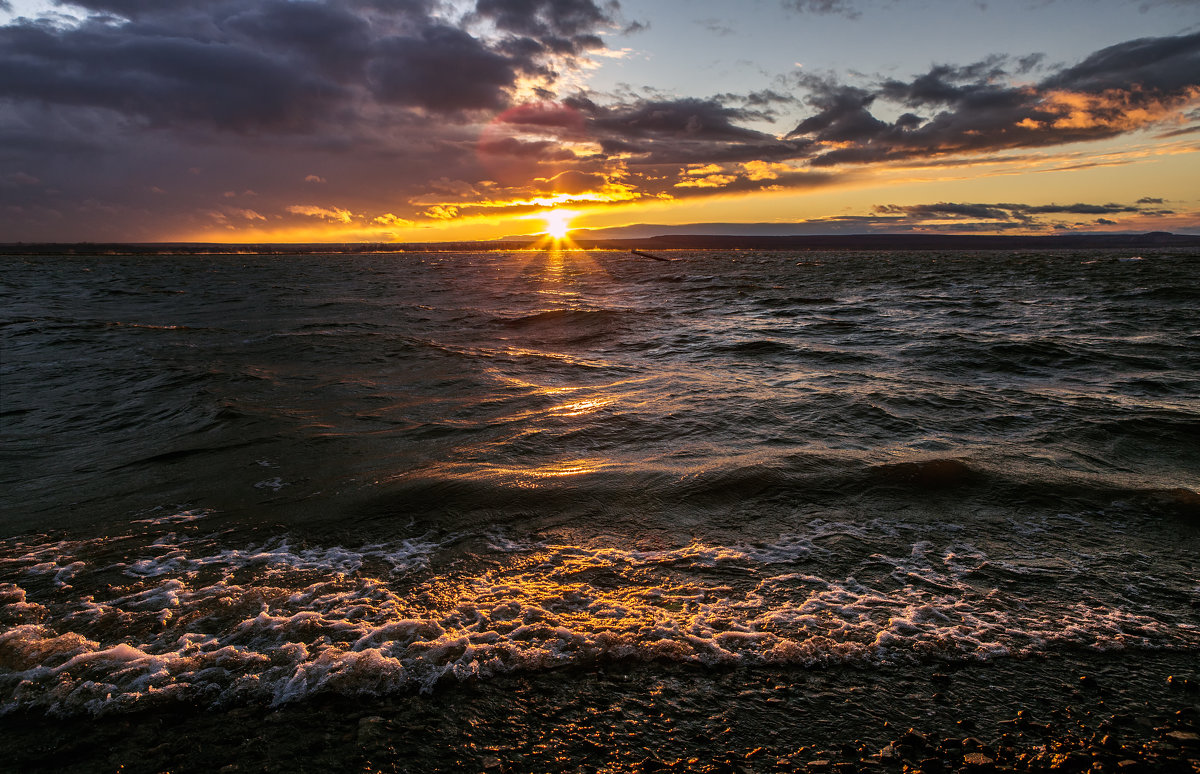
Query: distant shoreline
879	242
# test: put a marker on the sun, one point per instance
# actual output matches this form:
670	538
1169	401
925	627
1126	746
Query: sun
558	223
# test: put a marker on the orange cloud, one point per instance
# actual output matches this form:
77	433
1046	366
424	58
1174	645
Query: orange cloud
336	214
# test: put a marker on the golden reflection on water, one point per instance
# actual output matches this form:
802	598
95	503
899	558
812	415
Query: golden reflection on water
555	263
578	408
530	477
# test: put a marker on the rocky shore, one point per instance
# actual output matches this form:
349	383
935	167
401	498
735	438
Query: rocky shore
1069	740
1130	716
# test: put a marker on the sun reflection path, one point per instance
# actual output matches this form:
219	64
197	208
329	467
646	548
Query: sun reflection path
554	244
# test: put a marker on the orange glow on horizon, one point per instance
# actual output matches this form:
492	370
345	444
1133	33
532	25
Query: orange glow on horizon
1151	165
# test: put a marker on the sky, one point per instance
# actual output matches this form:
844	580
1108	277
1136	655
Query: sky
442	120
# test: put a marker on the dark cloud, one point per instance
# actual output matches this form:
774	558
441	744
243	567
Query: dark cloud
680	118
1117	90
681	131
1151	65
544	18
843	114
843	7
135	9
1030	63
1022	214
1150	200
559	26
162	78
281	66
443	69
333	38
949	210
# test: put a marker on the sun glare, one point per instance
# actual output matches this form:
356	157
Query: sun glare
558	223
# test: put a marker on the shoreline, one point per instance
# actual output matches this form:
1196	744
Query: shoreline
1131	712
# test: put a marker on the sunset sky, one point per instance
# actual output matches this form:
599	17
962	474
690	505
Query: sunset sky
419	120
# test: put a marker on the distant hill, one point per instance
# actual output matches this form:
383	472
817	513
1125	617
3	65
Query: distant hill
895	241
909	241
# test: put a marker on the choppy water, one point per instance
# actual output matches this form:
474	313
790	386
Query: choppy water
261	481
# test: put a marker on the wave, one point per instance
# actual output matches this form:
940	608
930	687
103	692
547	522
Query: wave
277	623
560	317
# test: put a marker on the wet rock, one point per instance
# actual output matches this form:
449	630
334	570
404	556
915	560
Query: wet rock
978	760
1087	681
1161	749
491	763
932	765
1071	762
372	731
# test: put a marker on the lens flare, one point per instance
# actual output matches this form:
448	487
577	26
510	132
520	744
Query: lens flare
558	223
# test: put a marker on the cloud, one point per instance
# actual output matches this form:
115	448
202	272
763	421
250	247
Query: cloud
314	179
842	7
388	219
718	27
680	131
161	78
327	213
280	66
573	22
390	92
1010	215
1114	91
444	69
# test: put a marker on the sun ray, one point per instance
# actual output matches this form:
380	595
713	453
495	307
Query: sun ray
558	223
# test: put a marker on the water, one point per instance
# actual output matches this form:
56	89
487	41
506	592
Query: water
450	484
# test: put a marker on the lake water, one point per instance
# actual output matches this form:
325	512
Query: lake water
548	510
